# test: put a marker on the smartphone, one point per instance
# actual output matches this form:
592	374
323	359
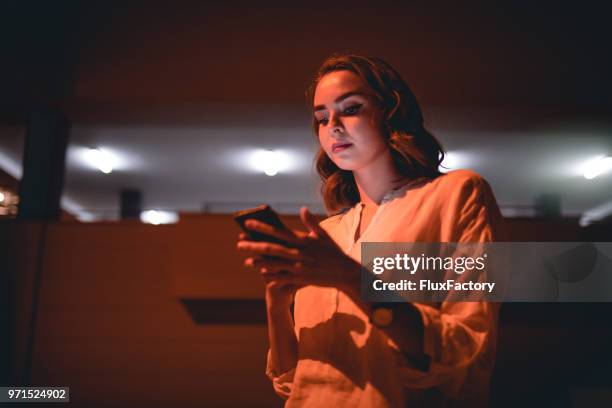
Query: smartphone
261	213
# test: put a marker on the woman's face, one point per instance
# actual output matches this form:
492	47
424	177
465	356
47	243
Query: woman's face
349	118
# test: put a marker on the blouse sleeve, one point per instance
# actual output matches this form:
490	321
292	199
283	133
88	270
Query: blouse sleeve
459	337
283	382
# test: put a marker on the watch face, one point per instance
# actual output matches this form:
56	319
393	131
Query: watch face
382	317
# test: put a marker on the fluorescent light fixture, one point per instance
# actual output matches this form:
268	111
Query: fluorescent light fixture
456	160
101	159
157	217
596	214
270	162
70	205
86	216
596	166
74	208
10	165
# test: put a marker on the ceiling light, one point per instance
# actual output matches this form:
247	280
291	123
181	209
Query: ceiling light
102	160
596	214
456	160
10	165
1	197
271	162
86	216
157	217
597	166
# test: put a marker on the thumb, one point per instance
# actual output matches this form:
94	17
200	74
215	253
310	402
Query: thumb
311	223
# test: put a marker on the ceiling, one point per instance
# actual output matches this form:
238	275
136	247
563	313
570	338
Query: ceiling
517	92
192	167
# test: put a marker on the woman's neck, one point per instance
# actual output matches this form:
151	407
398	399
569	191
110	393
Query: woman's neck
374	181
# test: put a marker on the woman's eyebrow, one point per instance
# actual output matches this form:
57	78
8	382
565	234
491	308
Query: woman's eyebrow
340	99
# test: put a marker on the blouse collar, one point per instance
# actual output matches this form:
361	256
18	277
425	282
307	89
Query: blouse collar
396	192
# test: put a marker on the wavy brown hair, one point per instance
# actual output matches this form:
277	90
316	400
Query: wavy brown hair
415	151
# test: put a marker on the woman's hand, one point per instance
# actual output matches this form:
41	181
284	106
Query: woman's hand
311	258
279	295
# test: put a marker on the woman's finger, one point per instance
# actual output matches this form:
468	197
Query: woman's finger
278	265
283	234
283	279
273	265
269	248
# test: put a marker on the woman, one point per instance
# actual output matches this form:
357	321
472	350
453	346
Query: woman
379	171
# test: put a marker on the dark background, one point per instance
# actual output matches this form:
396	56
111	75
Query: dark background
524	85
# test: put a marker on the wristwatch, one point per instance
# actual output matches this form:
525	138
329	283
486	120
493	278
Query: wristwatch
381	315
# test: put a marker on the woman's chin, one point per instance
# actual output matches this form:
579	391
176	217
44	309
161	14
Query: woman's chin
345	165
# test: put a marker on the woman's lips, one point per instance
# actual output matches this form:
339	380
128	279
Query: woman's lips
338	147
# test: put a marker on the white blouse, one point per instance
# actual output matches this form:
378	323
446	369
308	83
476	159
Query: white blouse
345	361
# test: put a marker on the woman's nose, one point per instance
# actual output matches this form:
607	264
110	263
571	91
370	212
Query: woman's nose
336	127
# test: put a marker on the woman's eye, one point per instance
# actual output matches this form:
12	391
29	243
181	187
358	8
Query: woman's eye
322	121
351	110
